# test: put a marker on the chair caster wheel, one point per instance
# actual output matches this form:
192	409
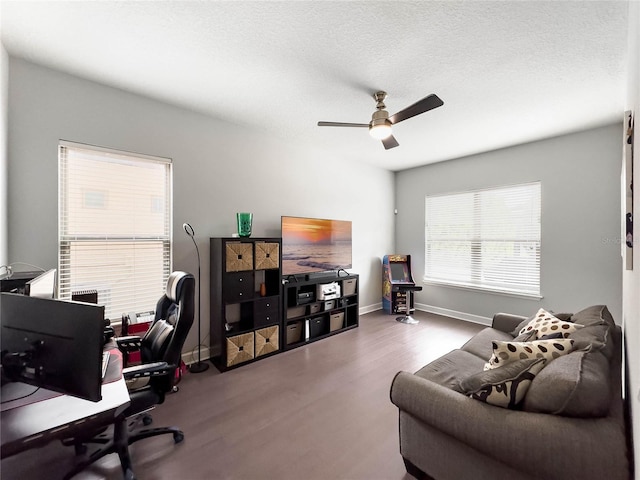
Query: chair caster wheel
178	437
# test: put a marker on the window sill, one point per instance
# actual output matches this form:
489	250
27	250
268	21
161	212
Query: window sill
493	291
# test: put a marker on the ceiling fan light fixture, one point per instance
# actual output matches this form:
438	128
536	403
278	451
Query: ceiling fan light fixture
381	122
380	131
380	126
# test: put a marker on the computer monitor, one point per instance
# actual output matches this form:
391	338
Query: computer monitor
53	344
15	282
43	286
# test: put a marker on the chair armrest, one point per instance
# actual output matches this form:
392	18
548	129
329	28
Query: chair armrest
506	322
508	435
154	369
129	343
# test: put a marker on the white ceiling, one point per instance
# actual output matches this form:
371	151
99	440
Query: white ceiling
509	72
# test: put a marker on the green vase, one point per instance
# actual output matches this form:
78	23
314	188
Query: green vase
244	224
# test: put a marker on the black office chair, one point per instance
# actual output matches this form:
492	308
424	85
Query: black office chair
160	353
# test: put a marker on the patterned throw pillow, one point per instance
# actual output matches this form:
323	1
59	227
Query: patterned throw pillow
508	352
546	324
505	386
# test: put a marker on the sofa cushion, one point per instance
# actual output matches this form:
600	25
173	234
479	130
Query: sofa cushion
532	335
505	386
450	368
481	343
575	385
527	336
546	323
507	352
594	315
598	323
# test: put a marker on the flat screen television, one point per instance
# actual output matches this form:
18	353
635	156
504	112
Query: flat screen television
315	245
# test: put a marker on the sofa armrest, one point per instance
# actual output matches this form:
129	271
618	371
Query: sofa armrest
523	440
506	322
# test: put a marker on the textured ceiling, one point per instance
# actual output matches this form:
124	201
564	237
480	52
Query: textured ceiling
509	72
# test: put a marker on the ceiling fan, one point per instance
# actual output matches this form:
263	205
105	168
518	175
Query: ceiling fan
380	124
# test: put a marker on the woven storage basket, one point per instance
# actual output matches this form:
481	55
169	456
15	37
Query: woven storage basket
239	349
267	340
294	332
349	286
239	256
267	255
336	321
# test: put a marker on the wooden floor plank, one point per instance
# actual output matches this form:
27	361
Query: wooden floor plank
318	412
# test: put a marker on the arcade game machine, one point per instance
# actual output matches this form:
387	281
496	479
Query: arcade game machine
398	287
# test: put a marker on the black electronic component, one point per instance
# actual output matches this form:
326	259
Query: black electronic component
52	344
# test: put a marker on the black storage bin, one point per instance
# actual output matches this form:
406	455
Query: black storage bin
318	326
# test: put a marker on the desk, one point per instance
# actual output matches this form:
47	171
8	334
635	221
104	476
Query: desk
58	416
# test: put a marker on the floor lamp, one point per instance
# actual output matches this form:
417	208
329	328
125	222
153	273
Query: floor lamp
199	366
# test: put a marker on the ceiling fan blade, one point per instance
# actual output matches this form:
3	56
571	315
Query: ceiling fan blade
427	103
389	142
342	124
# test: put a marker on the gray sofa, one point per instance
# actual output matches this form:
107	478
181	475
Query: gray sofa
570	424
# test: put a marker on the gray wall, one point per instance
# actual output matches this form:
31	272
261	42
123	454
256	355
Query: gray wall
580	256
631	278
219	169
4	125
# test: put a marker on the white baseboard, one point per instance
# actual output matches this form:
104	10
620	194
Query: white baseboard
370	308
191	356
454	314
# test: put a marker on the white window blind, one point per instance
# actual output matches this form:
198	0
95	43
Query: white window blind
114	227
486	239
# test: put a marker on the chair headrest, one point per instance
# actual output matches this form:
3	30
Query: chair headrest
174	284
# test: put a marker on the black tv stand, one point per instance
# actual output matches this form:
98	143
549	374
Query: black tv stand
289	278
308	316
321	275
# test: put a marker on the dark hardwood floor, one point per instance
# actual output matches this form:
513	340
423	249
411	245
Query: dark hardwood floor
318	412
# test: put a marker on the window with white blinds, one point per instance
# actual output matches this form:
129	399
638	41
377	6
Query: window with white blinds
485	239
114	227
